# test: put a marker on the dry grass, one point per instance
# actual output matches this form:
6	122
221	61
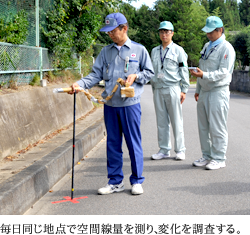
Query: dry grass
58	78
96	91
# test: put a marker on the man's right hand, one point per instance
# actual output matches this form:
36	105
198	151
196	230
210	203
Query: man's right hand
73	86
196	96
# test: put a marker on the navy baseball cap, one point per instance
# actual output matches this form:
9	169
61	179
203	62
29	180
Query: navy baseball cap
112	21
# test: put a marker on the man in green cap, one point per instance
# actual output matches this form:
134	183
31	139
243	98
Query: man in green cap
212	94
170	85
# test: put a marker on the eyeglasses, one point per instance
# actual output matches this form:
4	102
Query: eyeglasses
165	31
120	27
111	32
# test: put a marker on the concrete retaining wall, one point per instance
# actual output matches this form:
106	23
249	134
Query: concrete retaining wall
240	81
22	190
28	116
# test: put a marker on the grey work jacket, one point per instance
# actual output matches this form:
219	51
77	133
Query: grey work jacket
217	67
109	66
175	68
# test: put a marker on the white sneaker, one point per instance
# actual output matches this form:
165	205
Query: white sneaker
136	189
214	165
110	188
180	156
158	156
201	162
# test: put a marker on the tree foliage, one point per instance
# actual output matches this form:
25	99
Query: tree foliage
187	17
227	10
14	27
71	26
74	25
241	44
146	27
196	37
244	8
248	43
231	15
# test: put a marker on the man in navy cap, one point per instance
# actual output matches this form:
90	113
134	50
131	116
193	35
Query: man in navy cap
212	95
130	61
170	85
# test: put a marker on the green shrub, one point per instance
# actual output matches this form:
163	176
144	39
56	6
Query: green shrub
14	27
35	81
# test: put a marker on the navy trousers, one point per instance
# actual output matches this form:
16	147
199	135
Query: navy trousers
125	121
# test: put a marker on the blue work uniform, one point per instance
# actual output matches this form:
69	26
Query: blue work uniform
122	115
217	63
171	78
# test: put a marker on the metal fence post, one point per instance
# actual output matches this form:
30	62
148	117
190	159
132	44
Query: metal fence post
41	63
37	23
80	64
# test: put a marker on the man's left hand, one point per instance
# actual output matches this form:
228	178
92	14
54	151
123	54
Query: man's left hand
183	97
199	73
131	78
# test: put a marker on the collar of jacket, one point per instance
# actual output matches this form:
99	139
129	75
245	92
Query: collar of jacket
127	44
220	40
168	46
215	43
171	49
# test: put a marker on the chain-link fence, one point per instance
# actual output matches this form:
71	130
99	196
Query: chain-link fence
19	63
35	10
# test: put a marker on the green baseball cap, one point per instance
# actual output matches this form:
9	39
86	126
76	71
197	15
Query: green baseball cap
212	23
166	25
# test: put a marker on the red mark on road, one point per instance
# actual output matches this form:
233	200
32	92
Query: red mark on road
68	199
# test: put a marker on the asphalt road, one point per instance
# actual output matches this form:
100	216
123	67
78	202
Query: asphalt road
170	187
